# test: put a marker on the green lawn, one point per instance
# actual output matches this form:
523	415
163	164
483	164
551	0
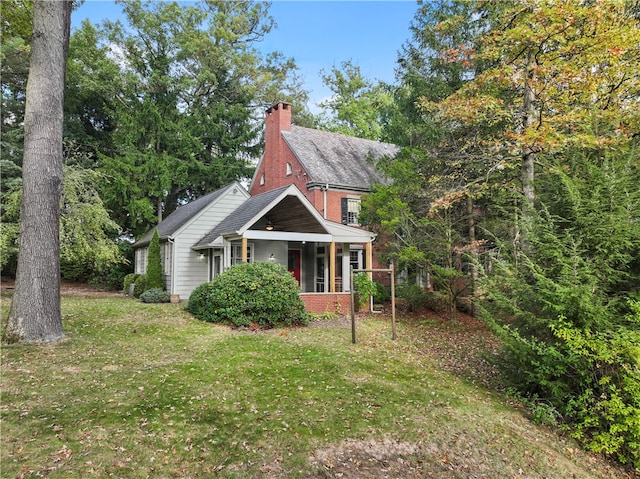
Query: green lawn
139	391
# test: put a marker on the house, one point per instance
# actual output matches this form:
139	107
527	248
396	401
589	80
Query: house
183	267
301	211
332	170
202	239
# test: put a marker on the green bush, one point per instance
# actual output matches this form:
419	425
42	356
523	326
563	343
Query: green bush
128	281
261	293
412	295
200	304
364	288
154	263
380	295
140	285
155	295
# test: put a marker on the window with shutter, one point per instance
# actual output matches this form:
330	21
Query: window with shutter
353	211
344	210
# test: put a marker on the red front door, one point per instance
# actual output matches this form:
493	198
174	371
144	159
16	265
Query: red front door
293	264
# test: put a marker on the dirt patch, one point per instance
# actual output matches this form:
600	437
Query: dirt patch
69	288
380	459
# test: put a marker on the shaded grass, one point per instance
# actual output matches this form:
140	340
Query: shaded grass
143	390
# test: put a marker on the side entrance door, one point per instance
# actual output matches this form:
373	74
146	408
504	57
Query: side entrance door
293	263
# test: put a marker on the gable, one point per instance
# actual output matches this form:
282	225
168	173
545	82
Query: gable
286	207
184	215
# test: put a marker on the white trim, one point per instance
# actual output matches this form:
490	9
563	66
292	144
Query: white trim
292	190
255	173
286	236
348	234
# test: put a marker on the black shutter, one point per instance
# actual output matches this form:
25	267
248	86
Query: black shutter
344	211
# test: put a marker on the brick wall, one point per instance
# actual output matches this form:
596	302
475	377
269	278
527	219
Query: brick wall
336	303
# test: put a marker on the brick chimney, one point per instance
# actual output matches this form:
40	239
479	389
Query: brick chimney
277	119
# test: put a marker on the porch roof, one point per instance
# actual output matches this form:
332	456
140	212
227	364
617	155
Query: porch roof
308	225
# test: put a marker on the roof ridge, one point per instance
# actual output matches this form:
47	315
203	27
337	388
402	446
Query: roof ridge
351	137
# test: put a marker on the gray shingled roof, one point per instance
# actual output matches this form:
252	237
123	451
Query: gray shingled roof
172	223
241	215
336	159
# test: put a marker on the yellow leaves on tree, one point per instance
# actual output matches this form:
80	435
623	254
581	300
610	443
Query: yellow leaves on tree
578	60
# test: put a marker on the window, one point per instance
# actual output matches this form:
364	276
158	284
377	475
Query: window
262	179
236	253
350	211
141	261
289	169
355	258
167	257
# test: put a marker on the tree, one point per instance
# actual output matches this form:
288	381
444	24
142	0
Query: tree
553	112
357	104
567	308
154	263
35	314
428	214
14	70
559	75
167	104
87	246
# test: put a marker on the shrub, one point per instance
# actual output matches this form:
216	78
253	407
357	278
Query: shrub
128	281
155	295
364	288
200	303
380	294
154	263
140	285
412	295
261	293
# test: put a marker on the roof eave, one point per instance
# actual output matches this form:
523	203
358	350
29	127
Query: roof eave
319	184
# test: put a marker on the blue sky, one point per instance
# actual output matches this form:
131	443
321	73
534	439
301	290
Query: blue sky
320	34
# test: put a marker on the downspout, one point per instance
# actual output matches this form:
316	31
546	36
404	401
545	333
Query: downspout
324	200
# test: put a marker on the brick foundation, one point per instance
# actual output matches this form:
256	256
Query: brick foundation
318	303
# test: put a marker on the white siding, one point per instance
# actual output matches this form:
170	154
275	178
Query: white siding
190	271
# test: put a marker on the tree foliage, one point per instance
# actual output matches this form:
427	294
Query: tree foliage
356	105
166	101
87	246
567	309
520	154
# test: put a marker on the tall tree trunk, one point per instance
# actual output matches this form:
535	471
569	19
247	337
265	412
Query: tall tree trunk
35	310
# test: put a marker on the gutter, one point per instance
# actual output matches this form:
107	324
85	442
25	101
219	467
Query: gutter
315	184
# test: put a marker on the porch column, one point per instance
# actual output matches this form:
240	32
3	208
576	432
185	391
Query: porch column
245	247
368	259
332	267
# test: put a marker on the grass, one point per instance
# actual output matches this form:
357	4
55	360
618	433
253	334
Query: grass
143	390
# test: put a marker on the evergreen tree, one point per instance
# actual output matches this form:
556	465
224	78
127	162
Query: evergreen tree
154	264
166	101
567	309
